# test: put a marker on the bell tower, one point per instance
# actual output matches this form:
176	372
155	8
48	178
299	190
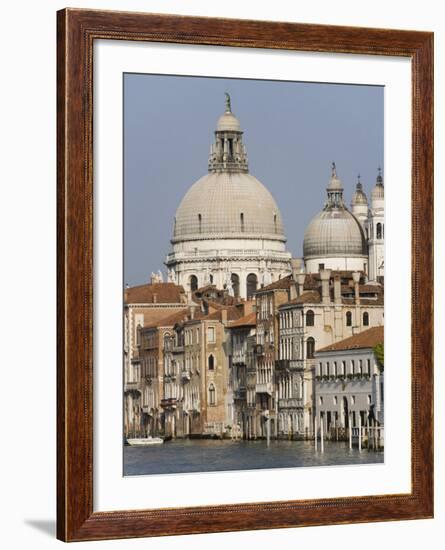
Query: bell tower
376	230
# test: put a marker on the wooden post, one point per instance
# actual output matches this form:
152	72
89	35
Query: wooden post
350	432
367	429
315	433
322	434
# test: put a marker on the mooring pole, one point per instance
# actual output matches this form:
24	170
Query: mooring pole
321	434
350	432
315	433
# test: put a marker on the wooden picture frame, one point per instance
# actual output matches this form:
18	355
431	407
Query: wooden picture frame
77	31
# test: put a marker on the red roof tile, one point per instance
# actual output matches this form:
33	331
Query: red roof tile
246	321
161	293
282	284
367	339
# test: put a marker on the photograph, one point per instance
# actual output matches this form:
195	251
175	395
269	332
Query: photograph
253	274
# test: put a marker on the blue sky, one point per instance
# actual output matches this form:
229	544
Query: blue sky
292	130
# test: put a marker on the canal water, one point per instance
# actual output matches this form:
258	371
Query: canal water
203	455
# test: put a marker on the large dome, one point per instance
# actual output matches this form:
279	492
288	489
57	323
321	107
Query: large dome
334	232
228	205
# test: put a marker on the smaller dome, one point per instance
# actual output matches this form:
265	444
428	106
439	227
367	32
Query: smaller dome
379	191
359	197
228	123
334	232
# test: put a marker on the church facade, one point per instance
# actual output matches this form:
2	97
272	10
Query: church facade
228	229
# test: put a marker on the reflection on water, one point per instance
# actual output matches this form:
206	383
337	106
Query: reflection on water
202	455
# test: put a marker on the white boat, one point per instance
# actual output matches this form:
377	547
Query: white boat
144	441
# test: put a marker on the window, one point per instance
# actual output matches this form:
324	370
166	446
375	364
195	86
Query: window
320	267
334	370
360	367
310	348
366	319
379	231
200	222
335	400
348	319
310	318
320	369
368	367
212	395
275	222
211	335
211	362
327	368
252	283
320	400
193	283
235	284
242	221
352	399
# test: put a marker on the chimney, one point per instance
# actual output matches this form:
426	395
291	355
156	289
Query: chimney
300	282
356	279
293	291
337	289
325	275
297	265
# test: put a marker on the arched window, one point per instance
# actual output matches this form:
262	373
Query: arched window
193	283
310	348
379	230
275	222
200	222
310	318
252	283
211	362
366	319
242	221
235	284
212	395
348	319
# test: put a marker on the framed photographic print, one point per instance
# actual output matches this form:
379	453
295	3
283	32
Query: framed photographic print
245	243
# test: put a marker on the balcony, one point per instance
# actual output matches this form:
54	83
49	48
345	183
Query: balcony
282	365
227	254
290	403
240	393
169	403
266	387
185	375
178	349
131	385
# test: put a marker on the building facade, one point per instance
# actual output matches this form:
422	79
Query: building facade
143	305
328	307
349	386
